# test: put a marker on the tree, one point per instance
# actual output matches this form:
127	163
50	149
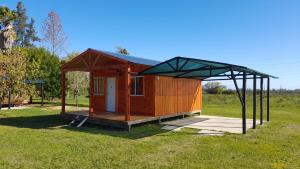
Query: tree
20	24
7	34
13	73
122	50
26	34
30	36
78	82
6	16
53	33
214	88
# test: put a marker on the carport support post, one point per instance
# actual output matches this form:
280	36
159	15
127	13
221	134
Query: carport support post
63	92
254	101
268	99
244	102
261	99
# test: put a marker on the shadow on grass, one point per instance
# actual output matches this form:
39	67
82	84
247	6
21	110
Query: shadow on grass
53	122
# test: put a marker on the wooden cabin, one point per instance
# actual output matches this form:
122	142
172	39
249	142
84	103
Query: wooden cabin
119	95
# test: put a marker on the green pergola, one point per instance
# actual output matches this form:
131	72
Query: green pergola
182	67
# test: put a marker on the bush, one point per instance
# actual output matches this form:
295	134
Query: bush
48	69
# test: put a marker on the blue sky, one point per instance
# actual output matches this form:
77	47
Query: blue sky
263	35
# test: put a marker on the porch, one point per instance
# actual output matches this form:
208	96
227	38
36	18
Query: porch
116	119
109	86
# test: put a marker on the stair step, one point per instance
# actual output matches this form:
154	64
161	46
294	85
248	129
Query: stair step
78	121
83	121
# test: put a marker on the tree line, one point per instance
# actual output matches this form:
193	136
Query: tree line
26	57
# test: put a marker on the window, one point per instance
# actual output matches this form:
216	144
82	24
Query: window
137	86
98	85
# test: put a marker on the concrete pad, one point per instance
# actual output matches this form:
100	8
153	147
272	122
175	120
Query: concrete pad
210	133
213	123
171	128
15	108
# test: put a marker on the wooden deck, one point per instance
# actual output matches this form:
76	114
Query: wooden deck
115	120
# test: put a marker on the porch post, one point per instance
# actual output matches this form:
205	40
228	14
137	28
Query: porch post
63	92
127	92
91	106
254	101
244	102
261	100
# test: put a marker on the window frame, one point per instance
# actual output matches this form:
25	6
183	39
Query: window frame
135	88
96	88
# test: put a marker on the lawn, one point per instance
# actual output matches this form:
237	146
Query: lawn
37	138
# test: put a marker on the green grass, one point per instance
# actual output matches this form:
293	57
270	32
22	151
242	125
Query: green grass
37	138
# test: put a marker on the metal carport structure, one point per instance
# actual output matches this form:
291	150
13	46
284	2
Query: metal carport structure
183	67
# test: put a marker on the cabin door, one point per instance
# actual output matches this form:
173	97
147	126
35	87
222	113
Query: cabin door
111	94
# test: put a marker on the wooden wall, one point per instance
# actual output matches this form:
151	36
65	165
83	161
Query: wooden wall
173	96
141	105
162	95
99	101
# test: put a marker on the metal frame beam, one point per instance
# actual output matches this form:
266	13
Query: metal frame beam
268	99
237	88
244	105
254	101
261	100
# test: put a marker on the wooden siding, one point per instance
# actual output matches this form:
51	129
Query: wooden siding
99	101
174	96
144	105
139	105
163	96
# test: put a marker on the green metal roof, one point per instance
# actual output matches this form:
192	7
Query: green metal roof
182	67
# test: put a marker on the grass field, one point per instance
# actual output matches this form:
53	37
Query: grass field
37	138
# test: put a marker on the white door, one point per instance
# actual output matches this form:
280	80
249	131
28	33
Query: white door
111	94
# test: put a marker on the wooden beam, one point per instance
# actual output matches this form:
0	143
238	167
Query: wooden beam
127	92
65	65
91	105
108	56
95	61
85	63
63	92
115	66
104	67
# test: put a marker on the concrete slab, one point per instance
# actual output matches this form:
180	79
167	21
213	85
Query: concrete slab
15	108
210	133
212	123
171	128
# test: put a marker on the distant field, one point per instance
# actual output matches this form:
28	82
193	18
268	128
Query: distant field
37	138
